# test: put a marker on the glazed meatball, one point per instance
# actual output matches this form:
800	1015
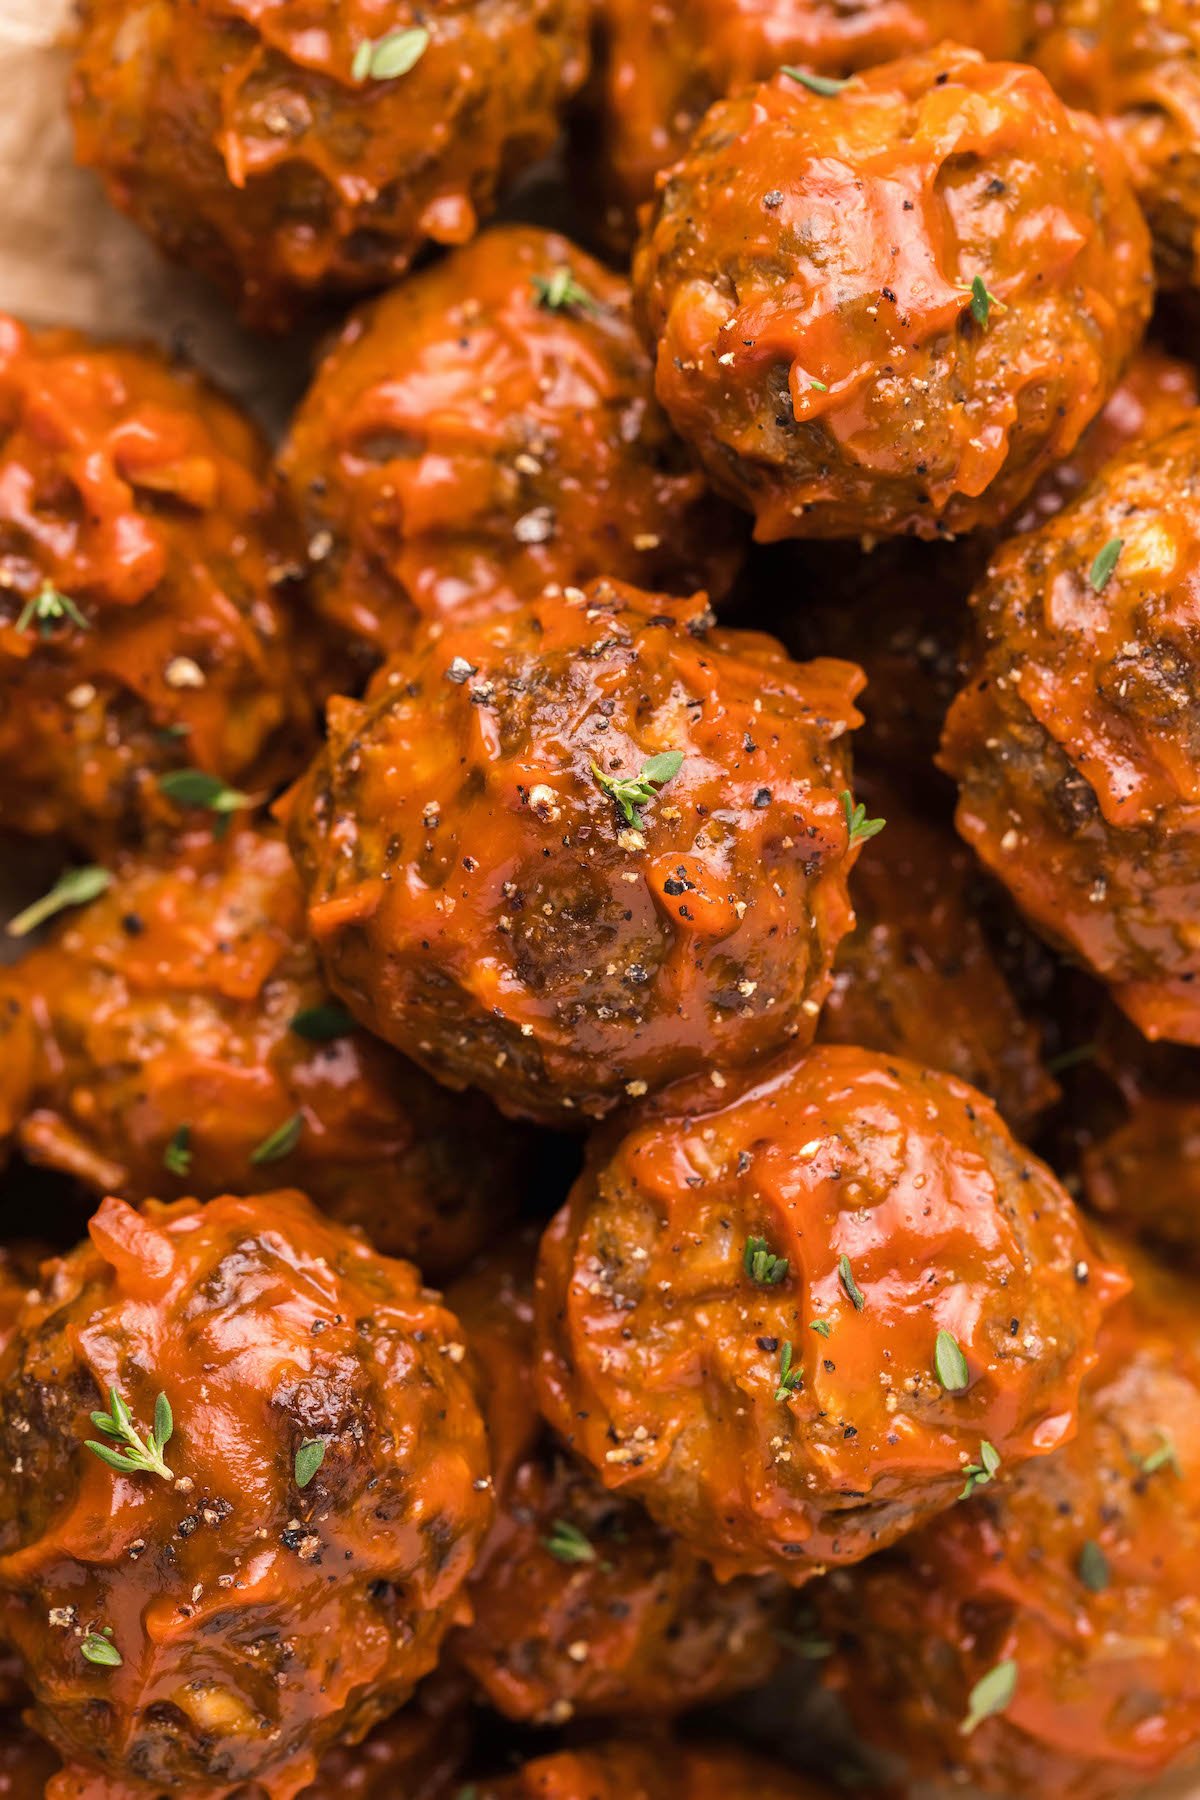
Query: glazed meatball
918	977
1066	1587
1076	741
659	68
891	308
286	147
651	1771
183	1042
573	851
147	572
784	1319
485	431
299	1490
1138	67
582	1604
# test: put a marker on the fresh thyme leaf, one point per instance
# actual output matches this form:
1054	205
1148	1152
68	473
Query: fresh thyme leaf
950	1365
566	1542
991	1694
309	1458
762	1265
982	301
1071	1059
140	1457
280	1142
559	291
50	607
383	59
97	1648
789	1378
630	792
322	1024
857	823
825	85
195	787
822	1327
177	1157
1165	1457
73	888
979	1474
853	1292
1092	1567
1101	571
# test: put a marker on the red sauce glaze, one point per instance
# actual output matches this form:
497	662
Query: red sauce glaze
662	1358
807	274
651	1771
1105	1639
1076	742
917	977
660	67
479	900
1138	67
466	445
582	1604
257	1621
146	498
237	133
170	1001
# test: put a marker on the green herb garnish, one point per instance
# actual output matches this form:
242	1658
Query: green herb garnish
857	822
991	1694
559	292
822	1327
1092	1567
982	301
853	1292
950	1365
1165	1457
97	1647
138	1457
789	1378
309	1458
74	888
177	1157
1101	571
826	85
322	1024
383	59
280	1142
979	1474
633	791
566	1542
762	1265
47	609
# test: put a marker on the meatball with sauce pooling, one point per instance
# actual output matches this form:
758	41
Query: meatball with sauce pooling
582	1604
149	657
660	67
1043	1638
571	852
287	148
890	309
783	1317
485	430
1076	741
653	1770
288	1485
175	1037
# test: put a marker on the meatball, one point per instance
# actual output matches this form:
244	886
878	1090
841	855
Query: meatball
1138	67
485	431
659	68
185	1044
650	1771
218	1608
573	851
582	1604
891	308
918	977
1042	1638
286	147
784	1319
1076	741
146	570
414	1755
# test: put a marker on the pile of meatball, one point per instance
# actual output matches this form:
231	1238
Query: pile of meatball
601	1120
